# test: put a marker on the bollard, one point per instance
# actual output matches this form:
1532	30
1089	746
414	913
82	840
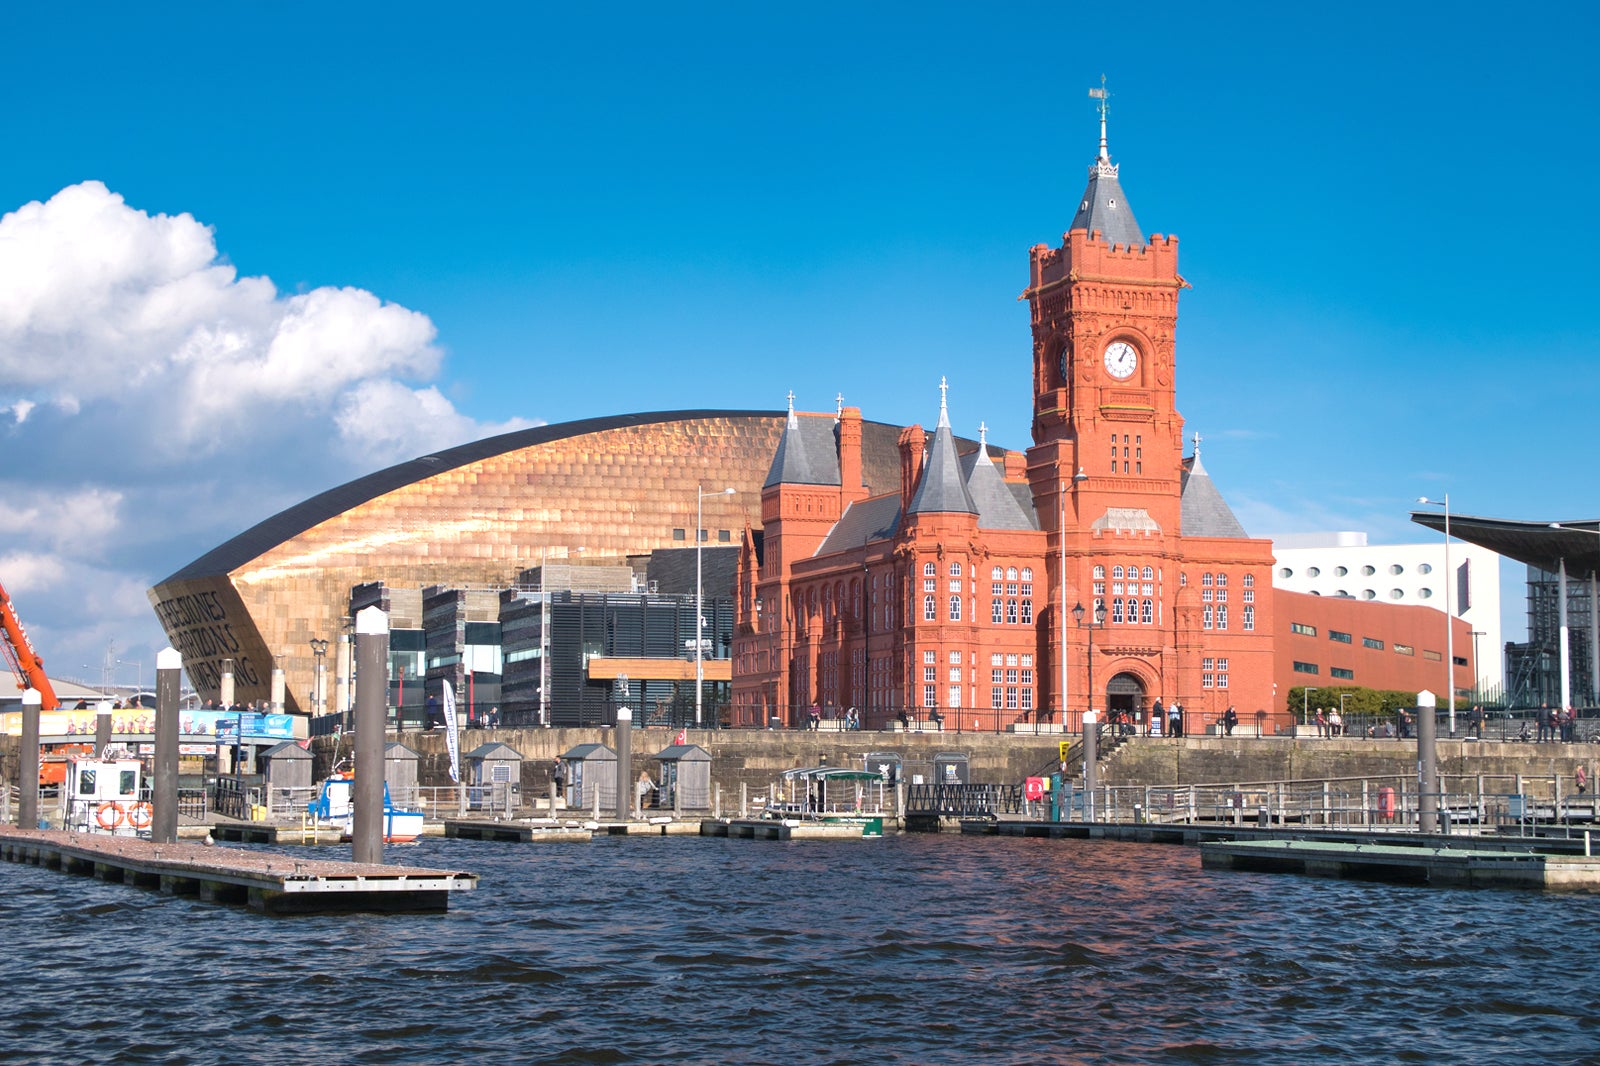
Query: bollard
28	786
1138	813
164	787
372	701
1263	817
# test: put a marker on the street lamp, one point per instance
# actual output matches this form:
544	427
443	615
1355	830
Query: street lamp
1098	623
319	648
699	595
1449	619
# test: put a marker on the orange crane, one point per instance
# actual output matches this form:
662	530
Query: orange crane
25	662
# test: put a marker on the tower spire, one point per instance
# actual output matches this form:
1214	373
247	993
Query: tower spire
1104	96
944	413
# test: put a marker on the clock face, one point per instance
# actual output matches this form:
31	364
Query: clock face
1121	360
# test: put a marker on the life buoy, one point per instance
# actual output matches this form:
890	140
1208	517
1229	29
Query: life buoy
139	815
109	815
1386	802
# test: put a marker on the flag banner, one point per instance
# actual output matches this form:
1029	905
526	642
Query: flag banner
452	738
682	737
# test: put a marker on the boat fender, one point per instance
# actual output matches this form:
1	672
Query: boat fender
108	815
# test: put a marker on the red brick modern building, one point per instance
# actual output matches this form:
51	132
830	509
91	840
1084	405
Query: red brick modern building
953	592
1330	642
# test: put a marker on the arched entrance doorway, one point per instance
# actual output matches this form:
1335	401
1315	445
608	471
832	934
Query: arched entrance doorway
1125	702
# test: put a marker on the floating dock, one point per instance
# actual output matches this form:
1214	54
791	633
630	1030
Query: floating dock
273	884
780	829
523	832
1364	860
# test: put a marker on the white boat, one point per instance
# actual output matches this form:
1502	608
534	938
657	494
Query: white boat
334	807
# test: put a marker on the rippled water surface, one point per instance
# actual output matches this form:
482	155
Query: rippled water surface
912	949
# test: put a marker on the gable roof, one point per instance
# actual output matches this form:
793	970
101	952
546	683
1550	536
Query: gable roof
1204	512
998	506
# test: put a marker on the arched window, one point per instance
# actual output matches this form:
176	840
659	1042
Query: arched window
1099	573
1149	615
1205	580
996	609
1011	573
1027	573
955	608
1149	574
1116	573
996	574
955	569
930	570
1249	581
930	609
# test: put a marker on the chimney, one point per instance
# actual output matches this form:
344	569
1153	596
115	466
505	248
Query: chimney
849	456
913	450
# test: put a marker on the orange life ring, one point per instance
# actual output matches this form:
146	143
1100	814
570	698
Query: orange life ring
1386	802
139	815
109	815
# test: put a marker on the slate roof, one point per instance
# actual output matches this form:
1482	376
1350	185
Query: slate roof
808	452
863	522
1105	208
998	506
1205	513
942	489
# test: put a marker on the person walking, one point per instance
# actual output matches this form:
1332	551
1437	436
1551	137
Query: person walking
1230	718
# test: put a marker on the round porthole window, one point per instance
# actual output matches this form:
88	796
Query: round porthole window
1397	594
1424	568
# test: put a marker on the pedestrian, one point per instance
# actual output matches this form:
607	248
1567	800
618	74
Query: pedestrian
1569	720
1476	727
814	718
1582	778
904	719
1544	722
1322	725
1335	723
642	789
1230	718
1175	719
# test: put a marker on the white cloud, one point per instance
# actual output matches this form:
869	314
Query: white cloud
25	572
159	403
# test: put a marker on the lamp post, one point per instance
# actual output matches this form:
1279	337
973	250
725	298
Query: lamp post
699	594
1098	623
319	648
1305	704
1449	619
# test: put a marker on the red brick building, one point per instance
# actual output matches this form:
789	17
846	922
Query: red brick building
1331	642
952	593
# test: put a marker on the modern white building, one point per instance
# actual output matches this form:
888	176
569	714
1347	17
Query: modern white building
1344	564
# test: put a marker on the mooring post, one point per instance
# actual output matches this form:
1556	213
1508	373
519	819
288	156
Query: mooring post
102	728
164	786
626	789
744	800
28	805
1091	762
1427	763
372	700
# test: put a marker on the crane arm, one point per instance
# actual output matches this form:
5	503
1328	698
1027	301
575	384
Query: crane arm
25	662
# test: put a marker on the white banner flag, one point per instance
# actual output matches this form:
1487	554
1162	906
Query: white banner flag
452	739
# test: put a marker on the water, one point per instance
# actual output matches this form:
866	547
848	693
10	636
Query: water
912	949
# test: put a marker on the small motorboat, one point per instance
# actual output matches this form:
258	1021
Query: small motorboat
334	807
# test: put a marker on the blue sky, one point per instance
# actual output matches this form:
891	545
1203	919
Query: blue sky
479	217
